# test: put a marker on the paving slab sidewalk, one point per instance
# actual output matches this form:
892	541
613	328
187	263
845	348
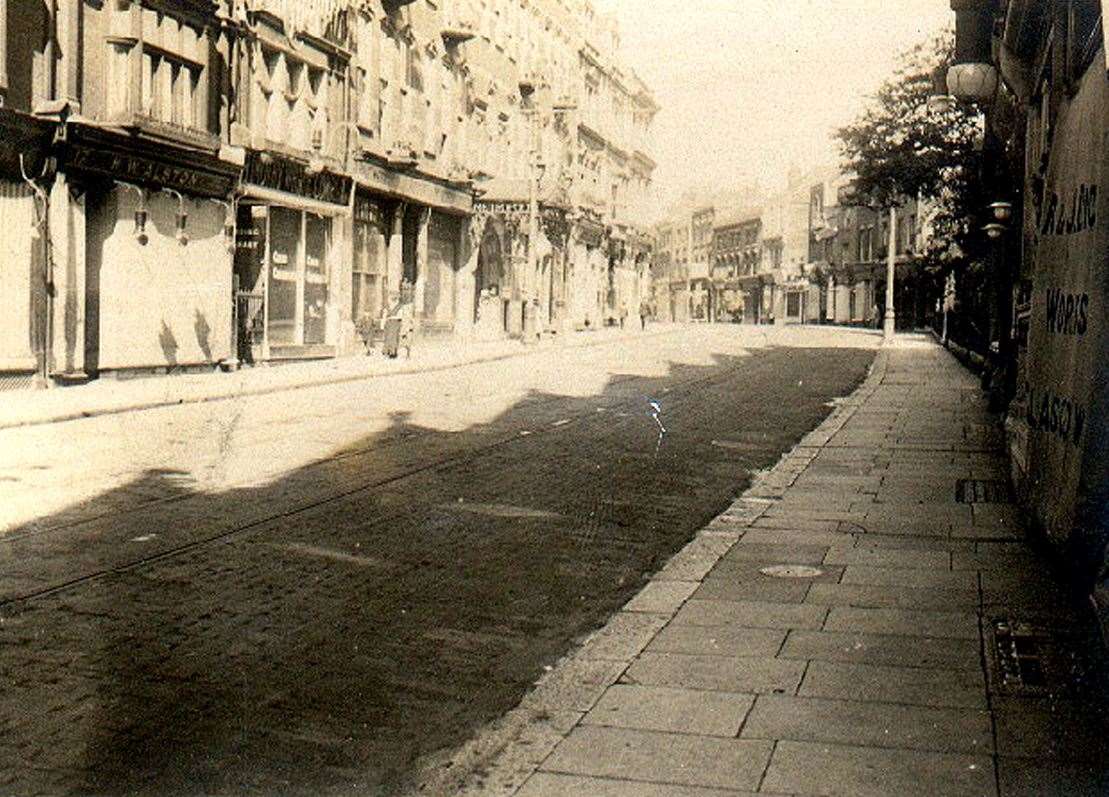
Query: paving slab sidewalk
108	396
878	665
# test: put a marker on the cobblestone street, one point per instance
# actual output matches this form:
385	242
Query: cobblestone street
306	592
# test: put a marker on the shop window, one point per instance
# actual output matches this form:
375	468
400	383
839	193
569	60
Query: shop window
315	278
298	277
285	237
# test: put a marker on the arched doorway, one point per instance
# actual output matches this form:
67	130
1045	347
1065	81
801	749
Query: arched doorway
490	283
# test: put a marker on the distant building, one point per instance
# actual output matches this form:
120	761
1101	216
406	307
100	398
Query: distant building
736	254
700	263
784	285
662	268
848	246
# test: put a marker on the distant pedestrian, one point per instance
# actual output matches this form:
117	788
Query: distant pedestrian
400	325
644	311
407	328
623	313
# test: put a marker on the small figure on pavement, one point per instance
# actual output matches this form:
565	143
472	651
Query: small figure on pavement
400	326
644	311
623	313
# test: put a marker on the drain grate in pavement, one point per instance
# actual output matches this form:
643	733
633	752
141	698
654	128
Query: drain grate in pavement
982	491
1025	655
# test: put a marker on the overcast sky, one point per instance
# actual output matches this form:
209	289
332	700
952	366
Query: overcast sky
748	87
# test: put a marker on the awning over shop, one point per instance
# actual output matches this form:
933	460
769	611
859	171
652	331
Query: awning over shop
290	181
415	188
286	199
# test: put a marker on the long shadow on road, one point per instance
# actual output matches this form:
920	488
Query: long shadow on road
318	634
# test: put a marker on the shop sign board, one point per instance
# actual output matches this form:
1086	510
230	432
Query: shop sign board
147	168
1062	405
290	176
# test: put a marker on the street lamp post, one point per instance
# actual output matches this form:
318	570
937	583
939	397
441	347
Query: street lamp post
889	322
1000	341
536	169
973	76
531	331
531	111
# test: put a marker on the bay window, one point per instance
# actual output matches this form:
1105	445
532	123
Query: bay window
294	97
157	68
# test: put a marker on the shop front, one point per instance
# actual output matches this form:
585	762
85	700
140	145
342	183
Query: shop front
751	290
554	271
492	280
440	281
158	243
700	294
796	301
24	272
414	241
291	261
499	281
728	301
679	301
369	262
589	280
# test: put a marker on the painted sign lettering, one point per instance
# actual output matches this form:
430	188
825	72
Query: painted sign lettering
1072	212
1056	415
1067	313
144	170
284	174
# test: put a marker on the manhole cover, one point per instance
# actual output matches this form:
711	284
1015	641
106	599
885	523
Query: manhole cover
791	571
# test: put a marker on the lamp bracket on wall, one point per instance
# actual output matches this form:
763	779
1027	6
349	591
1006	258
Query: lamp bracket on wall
230	220
141	213
182	216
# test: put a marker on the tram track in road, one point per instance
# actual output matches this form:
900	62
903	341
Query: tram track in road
426	601
9	536
680	392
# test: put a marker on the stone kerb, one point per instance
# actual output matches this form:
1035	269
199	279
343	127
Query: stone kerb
510	750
